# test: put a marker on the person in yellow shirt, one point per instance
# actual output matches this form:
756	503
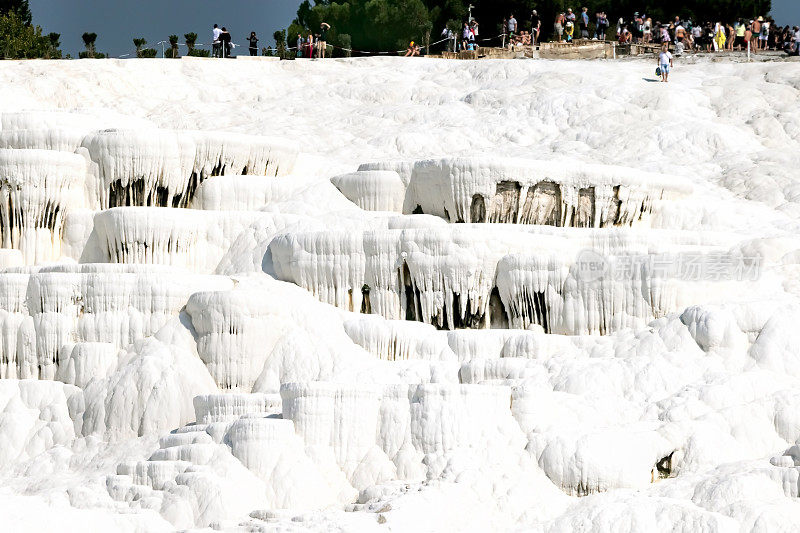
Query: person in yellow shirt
739	43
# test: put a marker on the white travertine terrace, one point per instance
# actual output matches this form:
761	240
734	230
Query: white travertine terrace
441	296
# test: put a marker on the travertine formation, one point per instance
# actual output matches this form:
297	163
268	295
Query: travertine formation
370	319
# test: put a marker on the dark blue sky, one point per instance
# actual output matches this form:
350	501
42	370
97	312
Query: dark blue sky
117	22
786	12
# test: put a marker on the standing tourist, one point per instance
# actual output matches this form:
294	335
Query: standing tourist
465	35
748	38
638	27
602	26
225	42
585	23
665	38
697	37
796	40
664	62
730	37
719	37
756	29
558	26
322	42
570	16
739	42
680	33
512	26
215	44
536	26
253	48
310	45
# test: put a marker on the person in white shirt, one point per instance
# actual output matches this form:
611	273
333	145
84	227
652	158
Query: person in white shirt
797	40
215	33
665	62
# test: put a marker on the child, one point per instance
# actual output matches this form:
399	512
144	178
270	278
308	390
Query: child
665	62
570	31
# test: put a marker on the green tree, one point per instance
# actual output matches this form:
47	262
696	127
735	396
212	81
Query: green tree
88	41
173	44
191	38
18	7
345	43
280	43
54	39
139	44
23	41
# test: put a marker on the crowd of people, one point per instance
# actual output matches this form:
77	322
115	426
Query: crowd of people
308	45
313	45
468	41
757	34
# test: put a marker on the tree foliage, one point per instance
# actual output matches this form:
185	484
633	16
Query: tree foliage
19	40
173	47
191	38
373	25
19	8
88	42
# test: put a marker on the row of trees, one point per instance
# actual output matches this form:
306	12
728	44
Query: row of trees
173	50
20	39
385	25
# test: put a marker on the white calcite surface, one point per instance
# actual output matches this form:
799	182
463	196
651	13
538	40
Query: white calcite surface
415	295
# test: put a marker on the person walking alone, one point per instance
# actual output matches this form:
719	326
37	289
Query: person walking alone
664	62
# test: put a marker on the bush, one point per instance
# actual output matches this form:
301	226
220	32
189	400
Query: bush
345	42
87	55
149	53
280	43
196	52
